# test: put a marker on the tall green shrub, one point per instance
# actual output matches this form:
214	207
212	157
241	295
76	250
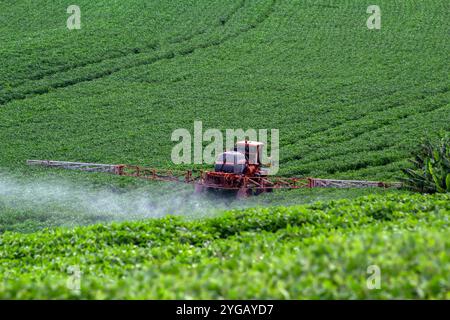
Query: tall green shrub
431	167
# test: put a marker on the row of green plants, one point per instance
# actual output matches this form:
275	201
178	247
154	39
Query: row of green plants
316	251
108	32
341	107
348	103
354	134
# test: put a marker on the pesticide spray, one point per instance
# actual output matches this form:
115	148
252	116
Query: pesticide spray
67	203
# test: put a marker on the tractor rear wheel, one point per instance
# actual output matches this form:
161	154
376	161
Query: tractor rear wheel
258	191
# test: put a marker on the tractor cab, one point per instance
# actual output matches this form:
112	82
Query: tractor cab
252	150
230	162
244	159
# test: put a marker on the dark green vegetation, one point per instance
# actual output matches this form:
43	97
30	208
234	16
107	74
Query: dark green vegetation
349	103
317	251
431	171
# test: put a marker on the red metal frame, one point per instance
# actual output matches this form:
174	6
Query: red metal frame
240	183
155	174
211	179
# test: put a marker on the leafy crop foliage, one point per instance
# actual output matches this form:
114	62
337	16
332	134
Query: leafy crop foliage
315	251
349	102
431	171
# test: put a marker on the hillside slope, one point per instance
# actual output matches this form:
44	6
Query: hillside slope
349	102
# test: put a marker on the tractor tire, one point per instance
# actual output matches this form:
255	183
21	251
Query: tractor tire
258	191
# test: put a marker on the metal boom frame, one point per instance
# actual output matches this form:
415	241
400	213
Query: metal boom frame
227	181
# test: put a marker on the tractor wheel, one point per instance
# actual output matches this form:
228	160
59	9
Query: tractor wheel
269	188
258	191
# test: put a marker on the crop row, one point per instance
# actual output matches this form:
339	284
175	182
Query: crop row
345	99
320	250
49	52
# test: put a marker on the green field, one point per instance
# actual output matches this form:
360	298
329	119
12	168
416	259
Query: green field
316	251
349	103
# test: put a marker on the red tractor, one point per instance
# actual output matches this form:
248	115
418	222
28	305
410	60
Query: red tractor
240	170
